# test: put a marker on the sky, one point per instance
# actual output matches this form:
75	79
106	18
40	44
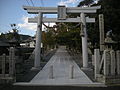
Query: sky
11	12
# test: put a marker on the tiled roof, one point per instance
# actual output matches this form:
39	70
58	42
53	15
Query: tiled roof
4	43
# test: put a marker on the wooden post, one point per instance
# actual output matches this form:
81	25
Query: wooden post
97	61
118	62
3	64
112	64
101	29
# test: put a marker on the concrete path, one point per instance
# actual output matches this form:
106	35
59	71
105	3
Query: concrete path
61	64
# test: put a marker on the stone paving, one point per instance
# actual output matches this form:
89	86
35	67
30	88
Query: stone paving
60	64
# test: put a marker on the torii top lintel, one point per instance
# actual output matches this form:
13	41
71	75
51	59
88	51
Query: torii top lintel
54	10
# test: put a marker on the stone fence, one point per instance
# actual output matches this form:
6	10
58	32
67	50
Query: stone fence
107	66
7	67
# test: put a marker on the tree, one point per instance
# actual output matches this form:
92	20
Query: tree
85	3
111	11
69	35
12	34
48	38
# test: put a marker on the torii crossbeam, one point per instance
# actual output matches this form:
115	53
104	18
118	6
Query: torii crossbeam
53	20
54	10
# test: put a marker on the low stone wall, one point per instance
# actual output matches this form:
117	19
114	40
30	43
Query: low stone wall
107	66
7	74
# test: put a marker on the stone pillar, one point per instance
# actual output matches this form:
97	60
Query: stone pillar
106	62
51	72
3	64
38	42
101	30
97	61
12	62
118	62
71	71
84	42
93	60
112	64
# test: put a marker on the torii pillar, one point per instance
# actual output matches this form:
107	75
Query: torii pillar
84	42
38	42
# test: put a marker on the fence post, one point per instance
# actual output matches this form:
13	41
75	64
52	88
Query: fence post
96	61
11	61
112	64
93	60
3	64
101	28
106	62
118	62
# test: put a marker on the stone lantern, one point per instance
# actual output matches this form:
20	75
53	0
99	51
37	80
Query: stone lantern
109	42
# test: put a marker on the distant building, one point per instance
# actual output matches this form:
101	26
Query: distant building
30	42
4	47
21	41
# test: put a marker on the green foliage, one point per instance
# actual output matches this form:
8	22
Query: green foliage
69	36
48	38
111	11
11	35
85	2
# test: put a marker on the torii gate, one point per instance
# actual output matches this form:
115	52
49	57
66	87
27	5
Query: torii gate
62	12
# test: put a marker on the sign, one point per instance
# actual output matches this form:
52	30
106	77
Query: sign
61	12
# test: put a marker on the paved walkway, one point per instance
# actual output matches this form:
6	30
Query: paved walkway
61	63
